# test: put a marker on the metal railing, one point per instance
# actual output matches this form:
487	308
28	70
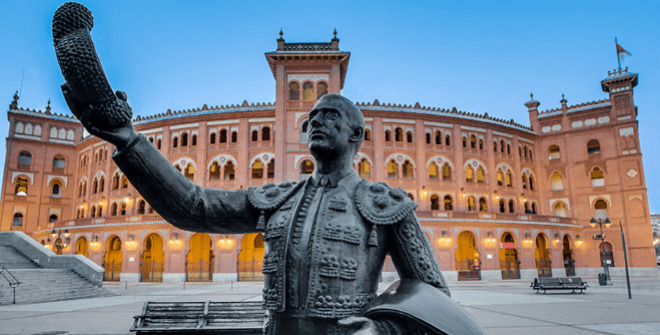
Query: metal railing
13	282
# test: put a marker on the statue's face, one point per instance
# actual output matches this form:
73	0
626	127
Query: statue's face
330	129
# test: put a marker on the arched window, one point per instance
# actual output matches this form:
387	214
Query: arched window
495	146
265	134
271	169
502	146
223	136
398	134
175	142
481	175
115	181
212	138
101	184
464	142
471	203
533	208
308	91
525	151
294	91
158	143
321	89
509	179
469	174
482	205
18	220
214	171
601	209
428	138
557	182
433	171
448	203
500	178
303	130
409	137
473	141
481	144
193	140
234	137
593	147
257	169
527	210
367	135
55	190
392	170
184	139
306	166
407	170
59	162
447	140
524	181
255	135
95	186
512	206
24	159
597	177
553	152
502	206
122	210
435	202
229	171
508	148
388	135
438	137
531	183
52	218
92	211
113	209
100	209
560	210
189	171
446	172
364	168
141	207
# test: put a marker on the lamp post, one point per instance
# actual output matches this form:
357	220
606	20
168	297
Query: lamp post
601	237
63	243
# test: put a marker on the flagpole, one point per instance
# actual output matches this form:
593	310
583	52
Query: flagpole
618	57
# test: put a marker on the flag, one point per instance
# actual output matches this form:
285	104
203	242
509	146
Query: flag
621	52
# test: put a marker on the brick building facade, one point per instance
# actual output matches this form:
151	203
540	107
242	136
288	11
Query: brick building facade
498	199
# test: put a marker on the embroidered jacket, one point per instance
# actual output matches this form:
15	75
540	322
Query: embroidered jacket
357	224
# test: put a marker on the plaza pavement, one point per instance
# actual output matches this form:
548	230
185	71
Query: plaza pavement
503	307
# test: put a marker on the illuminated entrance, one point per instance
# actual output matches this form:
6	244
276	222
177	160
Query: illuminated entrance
509	263
200	259
81	246
152	259
542	255
467	257
251	258
112	260
569	261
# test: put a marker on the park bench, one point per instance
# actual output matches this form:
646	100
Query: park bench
573	284
200	317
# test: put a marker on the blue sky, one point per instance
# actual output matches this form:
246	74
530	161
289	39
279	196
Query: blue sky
479	56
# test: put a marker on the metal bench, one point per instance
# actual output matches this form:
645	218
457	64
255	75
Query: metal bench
199	317
573	284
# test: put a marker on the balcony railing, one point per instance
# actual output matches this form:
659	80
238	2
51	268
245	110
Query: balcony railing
474	215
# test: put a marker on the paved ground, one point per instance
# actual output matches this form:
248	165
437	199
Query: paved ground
509	307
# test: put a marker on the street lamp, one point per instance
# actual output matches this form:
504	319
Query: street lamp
63	243
601	237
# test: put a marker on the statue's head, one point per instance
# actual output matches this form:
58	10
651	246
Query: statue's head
336	127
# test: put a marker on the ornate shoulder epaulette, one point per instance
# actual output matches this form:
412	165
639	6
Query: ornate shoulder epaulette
269	198
382	205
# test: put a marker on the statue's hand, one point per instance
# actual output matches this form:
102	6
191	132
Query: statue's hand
365	326
120	137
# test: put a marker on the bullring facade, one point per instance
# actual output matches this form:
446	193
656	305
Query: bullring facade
497	199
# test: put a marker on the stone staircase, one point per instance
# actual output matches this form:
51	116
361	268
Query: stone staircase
40	284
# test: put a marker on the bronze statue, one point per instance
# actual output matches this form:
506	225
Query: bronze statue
326	237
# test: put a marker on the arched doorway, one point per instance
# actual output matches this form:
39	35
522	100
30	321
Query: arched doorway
542	255
509	263
608	256
569	261
251	258
467	257
81	246
112	260
200	259
153	259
